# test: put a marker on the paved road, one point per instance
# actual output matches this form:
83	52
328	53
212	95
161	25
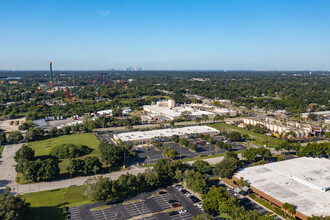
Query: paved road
166	124
7	166
8	175
27	188
214	160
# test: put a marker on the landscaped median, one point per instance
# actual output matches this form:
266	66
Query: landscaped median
155	213
100	208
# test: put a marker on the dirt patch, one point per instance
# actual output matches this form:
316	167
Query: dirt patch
11	125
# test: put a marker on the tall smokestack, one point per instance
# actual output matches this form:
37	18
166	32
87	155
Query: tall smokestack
51	76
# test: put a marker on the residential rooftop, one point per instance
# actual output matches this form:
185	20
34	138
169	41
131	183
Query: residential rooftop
303	182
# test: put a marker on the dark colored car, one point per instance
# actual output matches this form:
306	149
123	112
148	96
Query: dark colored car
173	201
194	199
183	191
176	205
173	213
162	192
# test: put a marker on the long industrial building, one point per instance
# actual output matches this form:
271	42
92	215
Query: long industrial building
303	182
144	137
275	126
169	110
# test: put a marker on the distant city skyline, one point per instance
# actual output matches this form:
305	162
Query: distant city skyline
165	35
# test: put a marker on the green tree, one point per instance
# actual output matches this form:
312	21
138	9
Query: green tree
203	216
218	118
53	131
75	166
175	138
184	142
327	135
232	154
24	153
92	165
98	188
112	155
48	170
195	181
226	167
205	117
311	116
201	166
3	138
12	207
185	115
15	137
213	198
192	146
234	136
289	208
250	154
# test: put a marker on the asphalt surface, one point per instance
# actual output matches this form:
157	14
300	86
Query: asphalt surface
7	167
151	155
150	204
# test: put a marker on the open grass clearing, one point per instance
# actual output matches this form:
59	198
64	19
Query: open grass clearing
51	204
42	148
256	138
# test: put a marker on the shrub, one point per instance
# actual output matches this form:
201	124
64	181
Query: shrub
70	151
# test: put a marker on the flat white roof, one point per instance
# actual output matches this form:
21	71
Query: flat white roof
297	181
176	112
142	135
316	113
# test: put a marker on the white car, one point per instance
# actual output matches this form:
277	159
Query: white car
182	211
199	205
188	194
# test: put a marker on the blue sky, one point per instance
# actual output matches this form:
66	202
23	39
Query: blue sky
165	34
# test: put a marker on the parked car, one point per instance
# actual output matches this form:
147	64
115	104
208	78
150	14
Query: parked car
173	213
194	199
182	211
173	201
176	205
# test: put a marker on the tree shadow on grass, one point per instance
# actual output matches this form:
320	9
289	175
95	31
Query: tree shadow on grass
46	212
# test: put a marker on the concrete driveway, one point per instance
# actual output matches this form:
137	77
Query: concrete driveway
7	166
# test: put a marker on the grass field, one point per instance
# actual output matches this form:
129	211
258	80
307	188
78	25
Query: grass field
43	148
51	204
256	138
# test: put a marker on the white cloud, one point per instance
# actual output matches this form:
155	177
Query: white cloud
105	13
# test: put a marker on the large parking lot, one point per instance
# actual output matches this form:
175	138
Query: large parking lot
160	204
149	155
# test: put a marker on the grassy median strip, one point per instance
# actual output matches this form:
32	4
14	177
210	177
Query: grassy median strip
132	201
155	213
100	208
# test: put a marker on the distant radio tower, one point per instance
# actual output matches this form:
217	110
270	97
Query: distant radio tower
51	76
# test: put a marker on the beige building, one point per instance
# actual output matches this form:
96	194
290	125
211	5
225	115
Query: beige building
301	130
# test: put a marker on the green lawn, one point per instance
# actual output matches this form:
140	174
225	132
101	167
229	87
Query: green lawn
43	148
50	204
256	138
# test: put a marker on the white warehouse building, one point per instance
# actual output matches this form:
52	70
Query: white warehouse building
144	137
